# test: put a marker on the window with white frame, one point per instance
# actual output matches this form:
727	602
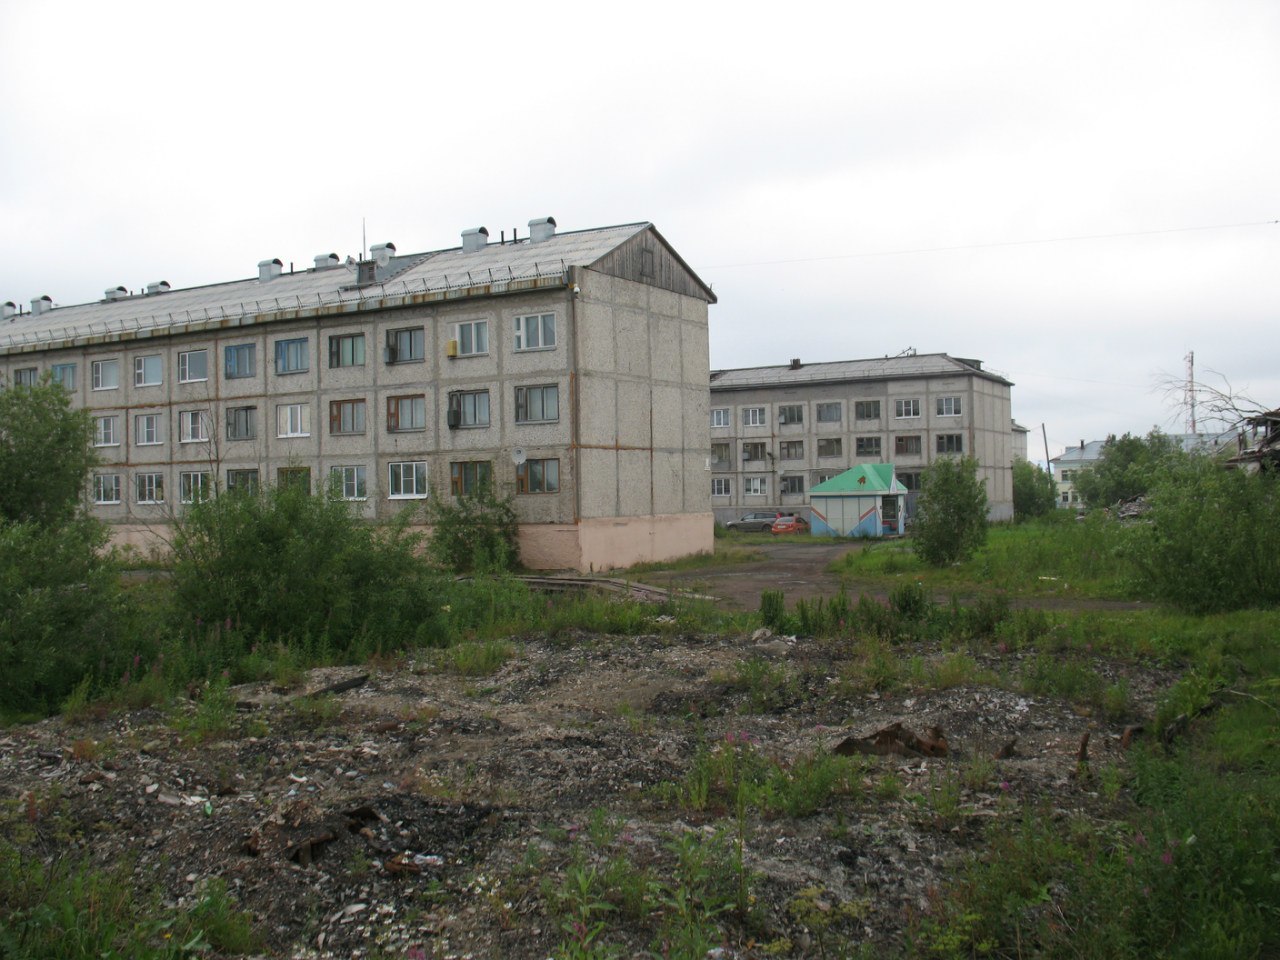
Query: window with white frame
866	446
148	371
947	407
106	431
407	479
538	476
791	450
346	350
538	404
720	417
469	408
240	360
106	374
242	423
907	446
791	413
467	477
830	447
194	486
146	429
753	451
193	426
193	366
472	337
721	487
905	409
242	481
348	482
866	410
754	486
292	356
293	420
406	345
753	417
792	484
346	416
828	412
26	376
950	443
536	332
64	374
149	488
106	488
407	413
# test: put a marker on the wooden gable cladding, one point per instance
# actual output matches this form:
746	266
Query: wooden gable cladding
648	258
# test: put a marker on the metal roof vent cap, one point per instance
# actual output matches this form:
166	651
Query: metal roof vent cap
795	363
382	253
9	310
474	239
115	293
160	286
269	270
325	261
41	305
544	228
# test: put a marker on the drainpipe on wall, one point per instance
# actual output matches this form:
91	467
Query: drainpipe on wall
574	435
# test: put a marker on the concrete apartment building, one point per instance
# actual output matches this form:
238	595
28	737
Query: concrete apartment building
778	431
568	368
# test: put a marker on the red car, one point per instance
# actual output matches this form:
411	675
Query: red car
795	524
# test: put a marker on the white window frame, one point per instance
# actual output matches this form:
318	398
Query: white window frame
720	417
755	486
722	486
293	420
184	366
754	417
106	488
151	365
193	426
349	480
415	471
194	485
535	332
525	403
472	337
106	431
947	407
152	484
906	409
100	371
146	430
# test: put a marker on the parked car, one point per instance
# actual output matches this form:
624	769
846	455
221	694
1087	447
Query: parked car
758	522
796	524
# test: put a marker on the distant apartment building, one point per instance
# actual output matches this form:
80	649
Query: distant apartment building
777	431
566	368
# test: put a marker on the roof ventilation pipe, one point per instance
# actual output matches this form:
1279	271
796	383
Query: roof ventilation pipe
41	305
382	253
326	261
160	286
9	310
541	229
268	270
795	363
474	239
115	293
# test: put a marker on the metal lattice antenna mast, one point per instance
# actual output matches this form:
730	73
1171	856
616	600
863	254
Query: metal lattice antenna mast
1191	391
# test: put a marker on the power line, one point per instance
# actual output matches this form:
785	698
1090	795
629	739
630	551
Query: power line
1001	243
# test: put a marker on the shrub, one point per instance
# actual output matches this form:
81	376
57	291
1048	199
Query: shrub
951	514
1034	492
475	531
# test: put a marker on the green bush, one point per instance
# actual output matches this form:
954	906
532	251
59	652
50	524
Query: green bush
45	454
1034	491
475	531
951	514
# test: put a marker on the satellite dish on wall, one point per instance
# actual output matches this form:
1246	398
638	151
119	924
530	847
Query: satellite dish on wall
518	456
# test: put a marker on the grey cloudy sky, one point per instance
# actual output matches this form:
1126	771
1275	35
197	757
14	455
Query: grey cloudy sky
1076	194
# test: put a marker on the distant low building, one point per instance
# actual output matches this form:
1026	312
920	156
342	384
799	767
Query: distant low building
1066	466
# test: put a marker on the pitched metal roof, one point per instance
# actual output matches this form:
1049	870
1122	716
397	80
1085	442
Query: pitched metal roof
865	478
495	268
880	368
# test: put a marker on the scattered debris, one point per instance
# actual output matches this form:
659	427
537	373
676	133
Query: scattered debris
896	739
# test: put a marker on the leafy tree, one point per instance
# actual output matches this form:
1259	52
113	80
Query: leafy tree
951	513
1034	491
1208	542
476	531
45	453
1128	468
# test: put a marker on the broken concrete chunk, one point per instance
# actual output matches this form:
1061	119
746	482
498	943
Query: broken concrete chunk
898	740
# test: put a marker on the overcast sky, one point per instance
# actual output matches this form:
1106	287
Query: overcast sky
1075	194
